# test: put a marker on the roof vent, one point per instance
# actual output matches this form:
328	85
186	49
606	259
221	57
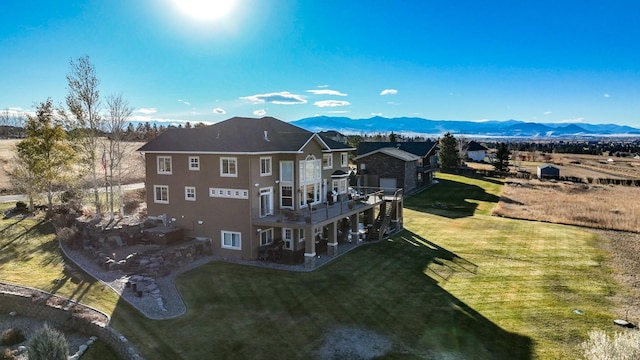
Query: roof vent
266	136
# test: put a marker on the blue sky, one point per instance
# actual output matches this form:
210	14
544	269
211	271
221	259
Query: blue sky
543	61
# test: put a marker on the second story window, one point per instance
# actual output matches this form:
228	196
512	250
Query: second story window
327	161
265	166
164	165
190	193
194	163
344	159
228	167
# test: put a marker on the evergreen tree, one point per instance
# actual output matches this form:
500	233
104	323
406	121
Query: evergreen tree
448	155
501	162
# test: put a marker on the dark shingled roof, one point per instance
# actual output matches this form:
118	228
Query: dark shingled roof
418	148
474	146
237	135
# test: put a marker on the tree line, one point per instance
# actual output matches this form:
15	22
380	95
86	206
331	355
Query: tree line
84	137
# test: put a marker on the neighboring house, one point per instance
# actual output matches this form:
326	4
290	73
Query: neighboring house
548	172
390	165
252	185
334	135
476	151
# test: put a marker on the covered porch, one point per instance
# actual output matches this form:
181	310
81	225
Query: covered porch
326	225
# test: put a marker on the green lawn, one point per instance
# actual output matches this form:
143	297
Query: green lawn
457	281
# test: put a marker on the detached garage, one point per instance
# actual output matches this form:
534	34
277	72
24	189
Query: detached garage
548	172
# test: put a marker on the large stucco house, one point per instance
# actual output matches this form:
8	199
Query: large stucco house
254	186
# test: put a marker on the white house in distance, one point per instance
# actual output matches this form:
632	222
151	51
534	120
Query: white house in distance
476	151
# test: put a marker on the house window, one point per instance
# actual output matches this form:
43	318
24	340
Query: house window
327	161
339	185
300	235
286	196
161	194
266	202
310	176
231	240
287	237
190	193
164	165
344	159
266	237
286	171
265	166
228	167
194	163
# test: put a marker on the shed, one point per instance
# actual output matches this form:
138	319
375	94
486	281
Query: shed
548	172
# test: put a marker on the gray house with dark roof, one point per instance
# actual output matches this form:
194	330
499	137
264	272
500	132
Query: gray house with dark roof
476	151
388	165
259	189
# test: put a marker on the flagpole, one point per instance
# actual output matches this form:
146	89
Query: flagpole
106	182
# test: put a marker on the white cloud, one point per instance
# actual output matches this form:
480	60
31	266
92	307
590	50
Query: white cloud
147	111
376	114
389	92
606	95
331	103
219	111
337	111
260	112
323	86
392	103
281	98
184	102
547	112
326	92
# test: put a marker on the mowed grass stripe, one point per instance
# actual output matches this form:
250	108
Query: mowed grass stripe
530	275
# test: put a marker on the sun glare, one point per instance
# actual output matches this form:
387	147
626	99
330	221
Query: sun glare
205	9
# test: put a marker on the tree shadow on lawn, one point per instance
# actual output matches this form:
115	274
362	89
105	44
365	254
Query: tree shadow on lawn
440	265
450	199
14	238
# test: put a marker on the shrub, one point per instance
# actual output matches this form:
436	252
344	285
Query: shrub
69	236
621	346
21	205
12	336
9	354
47	344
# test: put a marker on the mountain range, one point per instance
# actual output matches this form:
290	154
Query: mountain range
490	128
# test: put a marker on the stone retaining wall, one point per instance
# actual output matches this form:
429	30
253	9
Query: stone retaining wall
64	312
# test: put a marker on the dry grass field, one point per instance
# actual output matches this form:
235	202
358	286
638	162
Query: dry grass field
597	206
576	165
133	170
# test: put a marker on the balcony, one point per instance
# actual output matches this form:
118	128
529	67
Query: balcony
324	213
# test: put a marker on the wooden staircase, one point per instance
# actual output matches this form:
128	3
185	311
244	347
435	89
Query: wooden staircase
381	224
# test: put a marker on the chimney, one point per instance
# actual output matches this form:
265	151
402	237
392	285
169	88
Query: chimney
266	136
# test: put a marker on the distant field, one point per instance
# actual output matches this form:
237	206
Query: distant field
133	170
575	165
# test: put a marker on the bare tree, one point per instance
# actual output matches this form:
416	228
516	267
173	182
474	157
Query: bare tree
83	101
119	113
462	144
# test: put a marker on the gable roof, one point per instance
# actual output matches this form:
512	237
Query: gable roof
239	135
418	148
392	151
474	146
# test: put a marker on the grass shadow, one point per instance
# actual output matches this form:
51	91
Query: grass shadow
382	287
451	199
